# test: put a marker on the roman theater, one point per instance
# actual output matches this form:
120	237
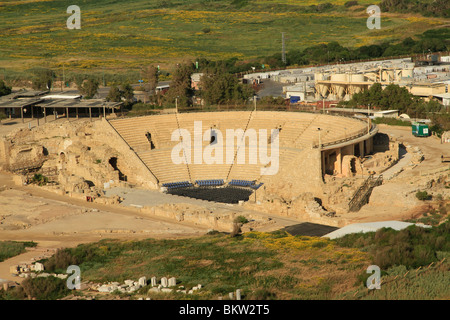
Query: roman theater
303	166
309	147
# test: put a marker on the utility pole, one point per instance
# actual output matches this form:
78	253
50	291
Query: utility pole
320	140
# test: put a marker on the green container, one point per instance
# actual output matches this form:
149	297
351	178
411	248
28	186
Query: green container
420	129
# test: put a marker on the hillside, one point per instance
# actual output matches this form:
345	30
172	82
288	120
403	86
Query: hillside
265	266
125	35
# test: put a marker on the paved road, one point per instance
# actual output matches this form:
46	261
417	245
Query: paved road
404	160
271	88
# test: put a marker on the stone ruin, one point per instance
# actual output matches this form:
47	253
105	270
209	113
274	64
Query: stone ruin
78	158
129	286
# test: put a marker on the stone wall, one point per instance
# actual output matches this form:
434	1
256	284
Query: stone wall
85	155
217	219
136	169
302	174
297	191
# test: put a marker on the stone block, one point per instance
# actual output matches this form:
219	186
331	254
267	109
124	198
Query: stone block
238	294
142	281
164	282
172	282
38	267
104	288
44	275
13	270
129	282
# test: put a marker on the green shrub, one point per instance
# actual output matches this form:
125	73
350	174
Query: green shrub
49	288
10	249
60	261
391	122
39	179
319	244
349	4
422	195
241	219
263	294
411	247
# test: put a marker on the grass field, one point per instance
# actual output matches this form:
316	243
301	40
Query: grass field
9	249
264	265
117	35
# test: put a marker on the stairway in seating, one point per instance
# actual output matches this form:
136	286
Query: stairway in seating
187	163
237	149
306	128
362	194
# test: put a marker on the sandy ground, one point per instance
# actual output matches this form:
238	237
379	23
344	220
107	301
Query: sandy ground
28	213
431	147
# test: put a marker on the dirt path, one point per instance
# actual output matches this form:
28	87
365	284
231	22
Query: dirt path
391	203
56	221
431	147
32	254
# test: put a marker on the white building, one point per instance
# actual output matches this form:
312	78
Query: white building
444	97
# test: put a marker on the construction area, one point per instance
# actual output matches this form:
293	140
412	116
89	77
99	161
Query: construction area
427	78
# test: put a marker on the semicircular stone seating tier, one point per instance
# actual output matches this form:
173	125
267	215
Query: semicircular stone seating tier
298	131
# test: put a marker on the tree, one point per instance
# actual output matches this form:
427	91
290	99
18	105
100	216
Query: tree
127	92
396	97
114	94
88	88
151	73
42	79
4	89
374	96
219	87
180	86
50	288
